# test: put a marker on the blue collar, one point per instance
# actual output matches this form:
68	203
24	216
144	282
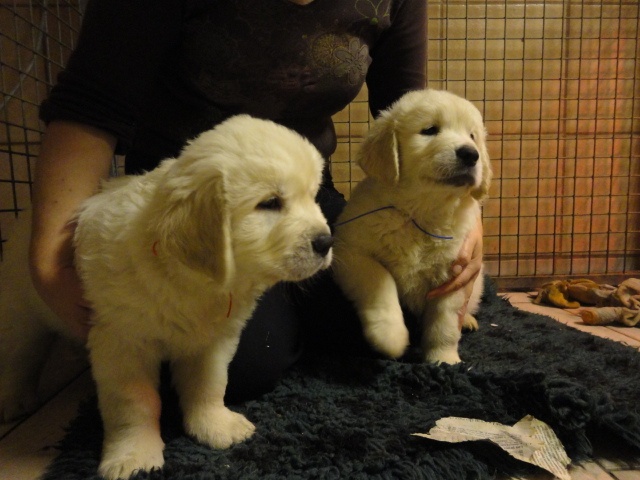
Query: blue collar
441	237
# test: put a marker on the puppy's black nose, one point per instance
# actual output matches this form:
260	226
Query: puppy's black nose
467	155
322	244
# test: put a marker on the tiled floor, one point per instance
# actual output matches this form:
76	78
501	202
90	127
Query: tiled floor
26	448
628	336
610	462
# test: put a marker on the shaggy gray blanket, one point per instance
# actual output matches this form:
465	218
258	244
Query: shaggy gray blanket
351	415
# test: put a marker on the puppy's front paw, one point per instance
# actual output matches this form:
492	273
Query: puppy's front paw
442	355
387	334
129	453
218	426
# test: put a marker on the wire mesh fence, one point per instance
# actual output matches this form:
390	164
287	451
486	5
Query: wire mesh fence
557	84
36	38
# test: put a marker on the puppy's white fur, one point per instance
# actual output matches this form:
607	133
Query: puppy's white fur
173	263
419	160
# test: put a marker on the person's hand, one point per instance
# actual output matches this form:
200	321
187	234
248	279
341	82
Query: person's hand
465	268
57	282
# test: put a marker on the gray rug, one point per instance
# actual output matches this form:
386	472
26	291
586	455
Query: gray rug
350	416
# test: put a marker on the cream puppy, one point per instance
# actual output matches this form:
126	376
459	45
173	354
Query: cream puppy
173	263
427	169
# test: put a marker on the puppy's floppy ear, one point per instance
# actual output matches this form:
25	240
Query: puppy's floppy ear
483	189
379	156
193	222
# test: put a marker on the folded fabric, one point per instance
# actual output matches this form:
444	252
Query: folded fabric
607	304
573	293
607	315
622	306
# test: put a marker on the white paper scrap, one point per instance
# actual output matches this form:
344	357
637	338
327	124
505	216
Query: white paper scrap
529	440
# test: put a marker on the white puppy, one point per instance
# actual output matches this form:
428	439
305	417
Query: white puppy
427	168
173	263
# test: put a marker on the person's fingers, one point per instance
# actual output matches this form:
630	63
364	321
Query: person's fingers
80	316
466	267
462	313
65	296
464	279
79	324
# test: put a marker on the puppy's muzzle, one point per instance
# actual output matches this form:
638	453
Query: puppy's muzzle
467	155
464	174
321	244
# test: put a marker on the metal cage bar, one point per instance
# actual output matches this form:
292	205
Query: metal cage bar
556	81
557	84
36	38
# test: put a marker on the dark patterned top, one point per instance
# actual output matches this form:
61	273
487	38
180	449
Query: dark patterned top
155	73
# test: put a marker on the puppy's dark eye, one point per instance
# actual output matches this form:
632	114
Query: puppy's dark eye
473	137
430	132
271	203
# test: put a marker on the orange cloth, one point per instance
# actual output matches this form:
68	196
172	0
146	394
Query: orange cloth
610	304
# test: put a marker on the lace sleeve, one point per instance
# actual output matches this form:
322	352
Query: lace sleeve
399	56
120	49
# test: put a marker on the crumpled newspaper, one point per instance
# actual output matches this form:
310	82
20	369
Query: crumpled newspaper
529	440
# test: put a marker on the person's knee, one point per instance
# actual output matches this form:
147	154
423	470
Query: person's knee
269	345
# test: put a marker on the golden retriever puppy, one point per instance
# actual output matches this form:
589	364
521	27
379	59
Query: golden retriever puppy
173	263
427	169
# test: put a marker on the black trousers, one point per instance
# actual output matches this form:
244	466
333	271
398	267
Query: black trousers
291	318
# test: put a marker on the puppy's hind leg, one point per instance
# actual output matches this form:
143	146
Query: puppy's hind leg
373	290
201	381
129	401
469	323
